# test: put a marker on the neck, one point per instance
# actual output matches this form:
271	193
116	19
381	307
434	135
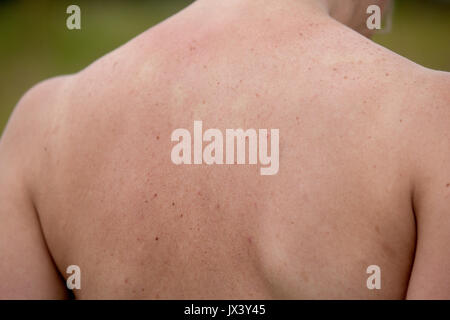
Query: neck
347	12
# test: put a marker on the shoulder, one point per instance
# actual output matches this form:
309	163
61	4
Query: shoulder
31	114
29	128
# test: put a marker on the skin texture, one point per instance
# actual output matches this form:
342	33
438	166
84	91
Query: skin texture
86	176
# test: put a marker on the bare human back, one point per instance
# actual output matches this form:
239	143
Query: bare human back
362	179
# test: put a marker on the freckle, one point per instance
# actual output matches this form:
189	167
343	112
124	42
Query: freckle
173	203
387	74
155	195
297	118
334	69
157	137
181	215
146	201
401	120
203	101
218	82
377	229
205	67
199	193
156	238
448	185
142	289
218	206
345	77
374	166
301	34
257	95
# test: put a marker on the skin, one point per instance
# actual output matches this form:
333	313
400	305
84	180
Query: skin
86	176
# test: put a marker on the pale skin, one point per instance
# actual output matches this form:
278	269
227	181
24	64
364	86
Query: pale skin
364	179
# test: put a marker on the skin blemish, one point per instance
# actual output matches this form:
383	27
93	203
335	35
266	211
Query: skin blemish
155	195
401	120
181	215
334	69
126	280
173	203
156	238
218	206
448	185
345	77
377	229
387	74
199	194
388	250
157	137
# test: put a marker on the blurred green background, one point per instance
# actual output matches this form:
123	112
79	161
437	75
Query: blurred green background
35	43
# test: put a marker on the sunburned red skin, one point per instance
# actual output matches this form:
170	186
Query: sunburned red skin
86	176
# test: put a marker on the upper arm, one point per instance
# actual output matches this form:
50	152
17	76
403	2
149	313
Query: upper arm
27	270
430	278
